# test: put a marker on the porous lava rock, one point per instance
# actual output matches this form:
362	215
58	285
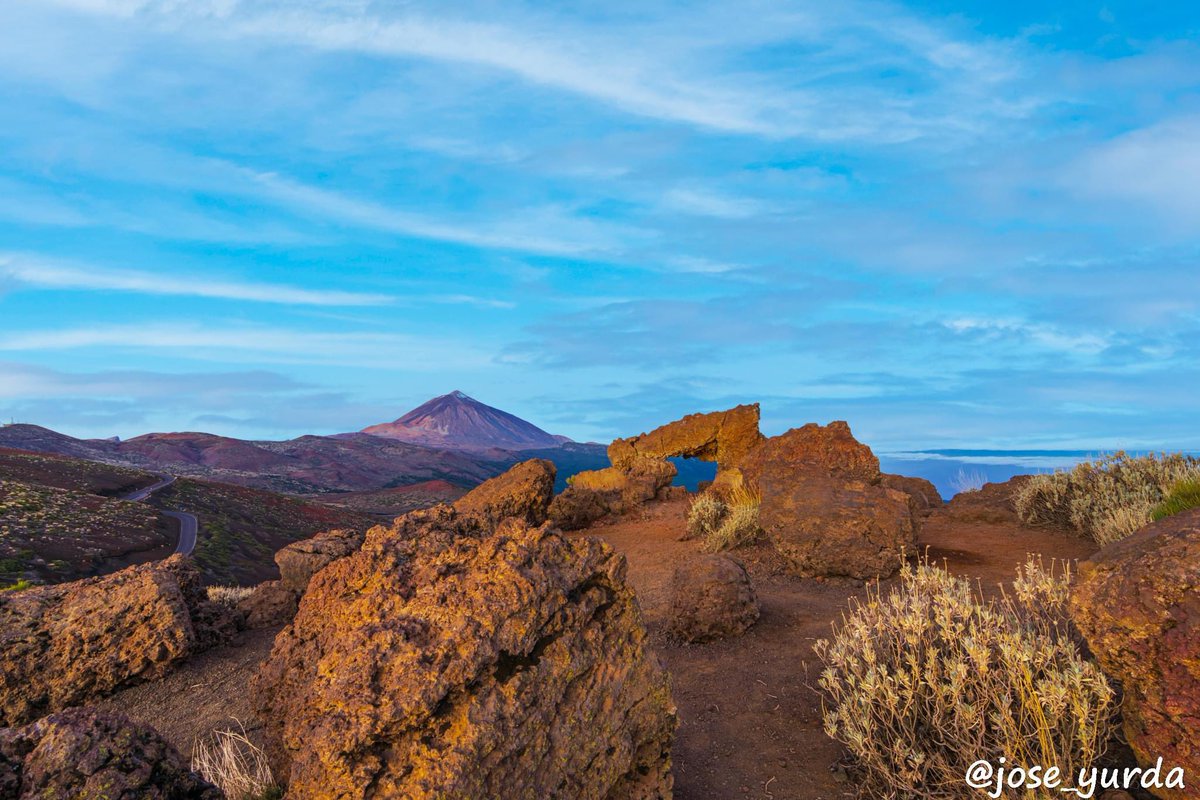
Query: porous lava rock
823	507
523	493
711	598
444	660
299	561
271	604
993	503
925	496
824	451
725	437
68	643
1137	603
575	507
89	754
831	528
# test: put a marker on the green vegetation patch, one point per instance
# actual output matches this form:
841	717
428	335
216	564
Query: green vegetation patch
1184	495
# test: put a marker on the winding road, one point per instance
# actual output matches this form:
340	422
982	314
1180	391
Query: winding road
188	524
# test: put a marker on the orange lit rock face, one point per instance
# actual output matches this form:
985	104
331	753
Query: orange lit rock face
441	660
522	493
69	643
721	436
1137	603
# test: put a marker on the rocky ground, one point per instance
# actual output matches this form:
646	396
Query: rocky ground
749	717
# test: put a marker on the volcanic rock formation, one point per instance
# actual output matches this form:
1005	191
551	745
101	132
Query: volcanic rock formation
68	643
711	598
823	505
87	754
523	493
725	437
443	660
1137	603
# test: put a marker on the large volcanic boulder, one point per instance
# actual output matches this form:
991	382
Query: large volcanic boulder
88	754
721	436
522	493
445	660
299	561
711	598
823	506
924	495
65	644
270	605
1137	602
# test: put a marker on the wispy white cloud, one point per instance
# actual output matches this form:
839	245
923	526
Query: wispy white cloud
37	272
520	232
266	344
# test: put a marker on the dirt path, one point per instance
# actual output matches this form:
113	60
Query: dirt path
750	719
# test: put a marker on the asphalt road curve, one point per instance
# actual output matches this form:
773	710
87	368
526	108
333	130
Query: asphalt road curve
188	524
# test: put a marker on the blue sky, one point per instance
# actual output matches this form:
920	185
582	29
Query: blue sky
967	224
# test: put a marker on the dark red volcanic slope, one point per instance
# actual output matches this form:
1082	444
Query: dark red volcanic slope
460	422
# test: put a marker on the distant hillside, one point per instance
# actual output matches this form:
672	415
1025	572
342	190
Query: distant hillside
456	421
59	520
241	528
305	465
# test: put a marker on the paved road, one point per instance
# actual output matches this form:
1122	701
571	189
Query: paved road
188	524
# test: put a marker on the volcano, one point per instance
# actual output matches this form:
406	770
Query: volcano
458	422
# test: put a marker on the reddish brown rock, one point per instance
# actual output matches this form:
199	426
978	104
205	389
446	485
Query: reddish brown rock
837	528
299	561
88	754
441	660
721	436
925	496
711	598
994	503
822	505
523	493
576	508
271	604
65	644
829	451
1137	602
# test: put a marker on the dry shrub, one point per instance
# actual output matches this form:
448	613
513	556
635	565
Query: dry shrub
1106	499
704	515
968	481
229	595
723	524
924	682
231	762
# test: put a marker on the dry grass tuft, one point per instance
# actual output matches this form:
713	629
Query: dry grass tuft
723	524
237	766
1107	499
229	595
925	681
968	481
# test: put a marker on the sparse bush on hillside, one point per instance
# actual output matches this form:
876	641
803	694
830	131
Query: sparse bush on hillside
1183	496
723	524
16	587
229	595
924	682
1106	499
230	761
